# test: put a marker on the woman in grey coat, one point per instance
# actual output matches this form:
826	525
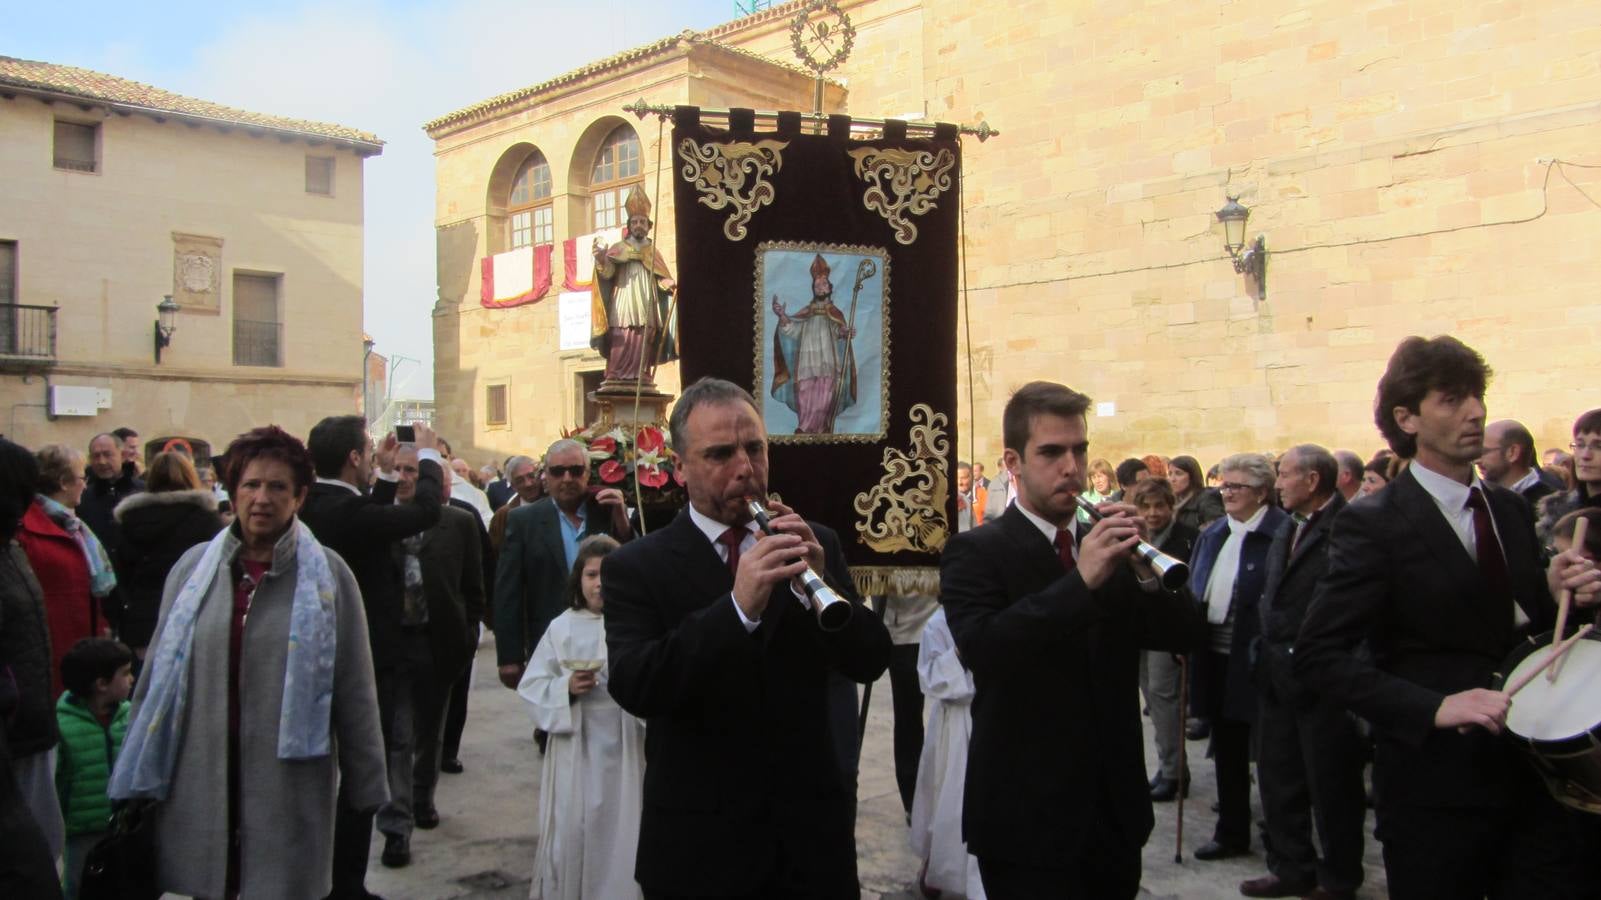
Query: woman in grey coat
257	696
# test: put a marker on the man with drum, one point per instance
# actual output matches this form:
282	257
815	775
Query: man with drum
1440	574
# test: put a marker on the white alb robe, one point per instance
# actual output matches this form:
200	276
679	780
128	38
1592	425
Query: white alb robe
593	777
942	770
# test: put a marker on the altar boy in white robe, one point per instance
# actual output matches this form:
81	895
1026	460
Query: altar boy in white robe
593	777
941	773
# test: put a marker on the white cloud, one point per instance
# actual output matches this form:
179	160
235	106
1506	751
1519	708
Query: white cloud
388	70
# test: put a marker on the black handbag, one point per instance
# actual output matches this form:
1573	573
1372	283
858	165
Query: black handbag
122	865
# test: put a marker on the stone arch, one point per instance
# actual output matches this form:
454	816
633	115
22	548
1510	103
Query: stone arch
582	163
498	191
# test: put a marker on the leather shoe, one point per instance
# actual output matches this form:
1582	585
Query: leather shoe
1217	850
397	851
451	766
1271	886
1163	790
1318	893
425	816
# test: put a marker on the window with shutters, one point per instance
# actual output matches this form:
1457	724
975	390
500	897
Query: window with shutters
320	175
496	412
77	146
257	323
616	171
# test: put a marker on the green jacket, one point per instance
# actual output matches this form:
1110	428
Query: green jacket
83	763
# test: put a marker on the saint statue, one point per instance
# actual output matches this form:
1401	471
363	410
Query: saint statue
633	300
814	368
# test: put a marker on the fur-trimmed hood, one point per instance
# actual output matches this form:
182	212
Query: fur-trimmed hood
201	498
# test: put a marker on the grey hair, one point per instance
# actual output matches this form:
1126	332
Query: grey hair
563	445
1319	460
517	462
714	391
1257	468
1350	463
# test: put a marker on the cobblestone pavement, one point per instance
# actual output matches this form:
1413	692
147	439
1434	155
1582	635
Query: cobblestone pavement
484	846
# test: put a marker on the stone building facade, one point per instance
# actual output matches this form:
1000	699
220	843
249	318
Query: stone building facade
1420	167
117	194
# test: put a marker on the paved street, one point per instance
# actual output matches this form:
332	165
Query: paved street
484	846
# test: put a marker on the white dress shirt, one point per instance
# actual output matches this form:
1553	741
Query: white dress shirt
713	530
1451	497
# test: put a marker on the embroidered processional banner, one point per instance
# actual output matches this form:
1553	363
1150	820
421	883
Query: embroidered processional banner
820	272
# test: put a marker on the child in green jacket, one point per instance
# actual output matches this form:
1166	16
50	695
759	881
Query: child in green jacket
93	715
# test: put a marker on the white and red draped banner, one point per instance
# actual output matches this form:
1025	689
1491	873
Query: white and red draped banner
578	257
516	277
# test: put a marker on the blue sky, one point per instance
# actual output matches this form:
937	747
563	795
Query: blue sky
384	67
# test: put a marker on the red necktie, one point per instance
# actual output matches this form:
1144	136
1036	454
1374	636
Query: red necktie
731	539
1064	549
1492	561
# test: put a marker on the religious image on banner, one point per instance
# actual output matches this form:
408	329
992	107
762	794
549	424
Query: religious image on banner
822	340
818	267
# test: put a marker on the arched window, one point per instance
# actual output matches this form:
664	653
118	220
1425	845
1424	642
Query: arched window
616	170
529	217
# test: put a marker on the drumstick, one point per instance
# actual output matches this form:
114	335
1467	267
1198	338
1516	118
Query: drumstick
1566	597
1556	653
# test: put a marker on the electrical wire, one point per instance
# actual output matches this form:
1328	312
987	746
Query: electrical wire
1551	165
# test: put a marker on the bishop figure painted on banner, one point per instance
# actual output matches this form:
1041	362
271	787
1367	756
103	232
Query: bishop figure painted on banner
814	370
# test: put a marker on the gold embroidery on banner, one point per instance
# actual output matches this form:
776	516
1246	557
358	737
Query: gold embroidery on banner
732	175
906	509
915	178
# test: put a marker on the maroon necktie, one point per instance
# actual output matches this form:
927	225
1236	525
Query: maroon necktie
1064	549
1492	562
731	539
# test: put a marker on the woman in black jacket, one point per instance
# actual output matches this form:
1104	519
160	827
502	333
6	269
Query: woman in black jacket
174	514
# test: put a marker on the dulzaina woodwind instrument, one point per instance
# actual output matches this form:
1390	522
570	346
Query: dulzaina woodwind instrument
833	611
1173	572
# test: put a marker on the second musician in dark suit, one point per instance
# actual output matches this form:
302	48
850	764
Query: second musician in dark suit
745	792
1440	573
1051	626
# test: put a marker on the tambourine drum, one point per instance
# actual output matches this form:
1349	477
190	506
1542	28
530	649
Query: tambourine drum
1559	724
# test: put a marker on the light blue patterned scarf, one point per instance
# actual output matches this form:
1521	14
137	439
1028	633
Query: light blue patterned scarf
102	578
144	768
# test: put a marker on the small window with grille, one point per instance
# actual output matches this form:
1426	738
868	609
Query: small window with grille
320	175
495	406
76	146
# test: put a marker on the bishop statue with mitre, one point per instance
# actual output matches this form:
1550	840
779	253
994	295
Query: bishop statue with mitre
632	300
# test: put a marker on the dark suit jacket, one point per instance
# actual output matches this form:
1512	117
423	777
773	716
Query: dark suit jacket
498	492
1057	750
531	575
1238	701
362	528
1291	580
486	560
1180	541
739	756
1399	577
453	584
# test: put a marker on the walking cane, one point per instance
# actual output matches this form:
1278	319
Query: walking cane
1184	763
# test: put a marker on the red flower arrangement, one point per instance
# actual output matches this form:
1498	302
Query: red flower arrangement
619	459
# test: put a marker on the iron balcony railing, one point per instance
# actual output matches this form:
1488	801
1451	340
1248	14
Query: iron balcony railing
257	343
27	332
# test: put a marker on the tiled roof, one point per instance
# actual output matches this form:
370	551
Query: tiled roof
610	63
43	77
